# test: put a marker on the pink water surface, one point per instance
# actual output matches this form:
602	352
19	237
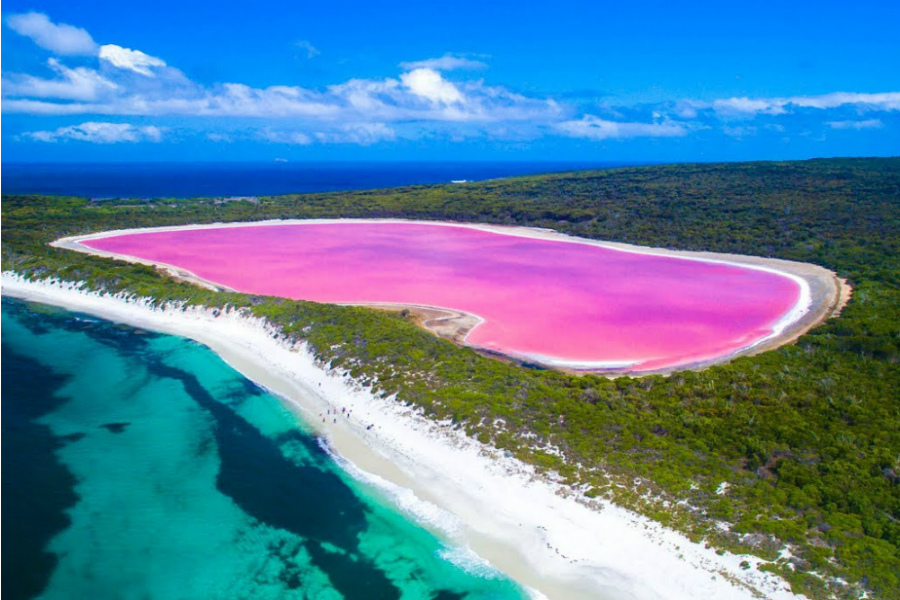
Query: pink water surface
570	302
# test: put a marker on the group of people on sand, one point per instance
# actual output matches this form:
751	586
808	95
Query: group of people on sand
345	412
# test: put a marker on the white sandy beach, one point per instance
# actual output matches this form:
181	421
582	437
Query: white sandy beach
485	503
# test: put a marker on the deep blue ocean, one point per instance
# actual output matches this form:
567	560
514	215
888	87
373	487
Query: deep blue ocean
139	465
187	180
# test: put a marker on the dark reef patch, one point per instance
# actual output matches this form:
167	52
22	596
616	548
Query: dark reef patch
115	427
31	520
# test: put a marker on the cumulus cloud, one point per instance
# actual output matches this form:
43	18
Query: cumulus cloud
448	62
57	38
71	84
419	95
426	96
866	124
419	101
367	96
429	84
100	133
130	60
595	128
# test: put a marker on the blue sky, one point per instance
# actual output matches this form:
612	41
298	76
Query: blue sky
487	80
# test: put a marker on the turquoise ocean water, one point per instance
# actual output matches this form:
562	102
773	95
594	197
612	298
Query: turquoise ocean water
139	465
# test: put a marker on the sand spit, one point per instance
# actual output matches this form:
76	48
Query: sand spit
489	506
822	292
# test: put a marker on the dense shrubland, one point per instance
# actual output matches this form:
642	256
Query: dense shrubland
807	437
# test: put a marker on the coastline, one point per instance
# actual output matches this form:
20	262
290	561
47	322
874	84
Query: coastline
536	531
822	293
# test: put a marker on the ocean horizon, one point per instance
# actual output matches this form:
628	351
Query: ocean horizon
217	179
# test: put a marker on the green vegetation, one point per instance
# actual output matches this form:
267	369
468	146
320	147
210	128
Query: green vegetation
806	436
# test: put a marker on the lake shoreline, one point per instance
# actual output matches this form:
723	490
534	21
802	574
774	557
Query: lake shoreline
544	535
822	293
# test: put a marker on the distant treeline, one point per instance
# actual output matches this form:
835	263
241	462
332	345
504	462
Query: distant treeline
806	436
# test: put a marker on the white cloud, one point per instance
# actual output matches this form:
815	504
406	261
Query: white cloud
234	99
739	132
311	51
595	128
448	62
286	137
357	100
883	101
867	124
152	132
748	106
417	102
100	133
419	95
72	84
229	100
686	109
131	60
429	84
888	101
363	134
430	99
367	96
57	38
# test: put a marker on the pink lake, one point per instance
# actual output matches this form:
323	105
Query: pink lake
555	301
